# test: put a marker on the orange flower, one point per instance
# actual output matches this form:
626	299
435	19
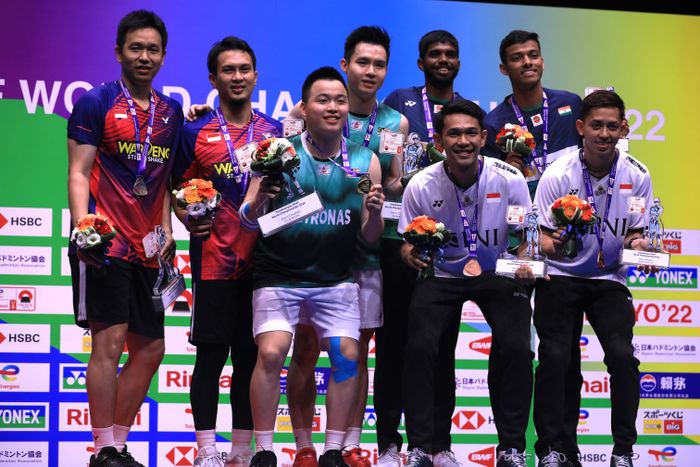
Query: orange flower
86	222
192	195
422	225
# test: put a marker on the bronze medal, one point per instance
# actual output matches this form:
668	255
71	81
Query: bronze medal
140	187
364	185
472	268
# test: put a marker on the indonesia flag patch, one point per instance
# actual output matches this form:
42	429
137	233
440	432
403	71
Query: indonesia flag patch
493	197
626	187
566	110
213	137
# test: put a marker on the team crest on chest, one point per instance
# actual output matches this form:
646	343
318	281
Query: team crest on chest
356	124
324	169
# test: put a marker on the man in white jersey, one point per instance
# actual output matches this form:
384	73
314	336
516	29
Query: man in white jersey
471	195
620	189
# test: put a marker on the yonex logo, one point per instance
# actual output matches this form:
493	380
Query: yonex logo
437	203
409	103
573	191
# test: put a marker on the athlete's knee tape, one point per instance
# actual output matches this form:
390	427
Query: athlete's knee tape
343	367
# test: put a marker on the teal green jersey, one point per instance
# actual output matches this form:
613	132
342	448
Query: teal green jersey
318	251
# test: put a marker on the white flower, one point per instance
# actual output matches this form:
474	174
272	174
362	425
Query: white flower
286	156
180	195
81	239
439	226
93	239
196	210
213	201
74	234
509	127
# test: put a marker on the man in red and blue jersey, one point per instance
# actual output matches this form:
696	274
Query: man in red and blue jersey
213	148
121	141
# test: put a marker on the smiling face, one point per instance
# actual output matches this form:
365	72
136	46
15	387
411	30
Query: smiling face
440	64
235	76
141	56
600	130
524	64
326	108
366	69
462	138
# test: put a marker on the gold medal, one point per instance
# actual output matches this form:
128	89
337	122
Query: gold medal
364	185
472	268
140	187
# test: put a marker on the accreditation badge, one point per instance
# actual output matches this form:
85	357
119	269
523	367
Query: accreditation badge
244	155
292	127
390	142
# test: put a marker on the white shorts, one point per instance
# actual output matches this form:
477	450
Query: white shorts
332	311
371	309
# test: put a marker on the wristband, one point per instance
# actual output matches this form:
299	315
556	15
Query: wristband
245	221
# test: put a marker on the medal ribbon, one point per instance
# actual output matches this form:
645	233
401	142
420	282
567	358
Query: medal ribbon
599	229
470	229
545	129
343	155
243	184
141	151
370	127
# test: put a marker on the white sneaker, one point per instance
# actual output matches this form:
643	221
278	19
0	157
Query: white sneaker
445	459
390	457
239	460
208	456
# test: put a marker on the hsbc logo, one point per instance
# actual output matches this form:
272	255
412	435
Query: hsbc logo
485	457
25	222
181	455
468	420
182	262
482	345
25	338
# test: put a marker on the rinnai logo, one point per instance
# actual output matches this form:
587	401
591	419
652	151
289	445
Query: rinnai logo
25	417
75	416
468	420
25	338
482	345
17	298
664	455
596	386
485	457
25	222
178	378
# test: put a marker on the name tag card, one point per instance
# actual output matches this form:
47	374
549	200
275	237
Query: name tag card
244	155
645	258
290	214
391	210
507	267
292	127
390	142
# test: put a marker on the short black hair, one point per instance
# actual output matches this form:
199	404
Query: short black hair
369	34
324	73
460	106
600	99
517	36
228	43
432	37
139	19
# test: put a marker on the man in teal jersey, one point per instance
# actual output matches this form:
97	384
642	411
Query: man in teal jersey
376	126
309	263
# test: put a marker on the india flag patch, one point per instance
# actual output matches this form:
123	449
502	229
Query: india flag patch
566	110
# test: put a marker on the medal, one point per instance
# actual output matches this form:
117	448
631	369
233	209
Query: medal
601	260
472	268
364	185
140	187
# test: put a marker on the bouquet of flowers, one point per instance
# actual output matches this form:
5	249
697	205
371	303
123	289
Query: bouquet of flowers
576	215
274	156
429	236
92	231
197	196
514	138
431	156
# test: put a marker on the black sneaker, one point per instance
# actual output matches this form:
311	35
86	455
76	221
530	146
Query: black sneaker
108	457
511	458
264	459
416	457
553	459
126	455
332	458
622	460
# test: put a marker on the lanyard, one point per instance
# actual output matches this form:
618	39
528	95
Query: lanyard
599	228
243	183
545	129
142	150
370	127
471	229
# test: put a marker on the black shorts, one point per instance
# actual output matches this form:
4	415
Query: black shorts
118	293
222	311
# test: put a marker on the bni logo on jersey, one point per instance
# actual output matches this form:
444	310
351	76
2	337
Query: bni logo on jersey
24	417
671	278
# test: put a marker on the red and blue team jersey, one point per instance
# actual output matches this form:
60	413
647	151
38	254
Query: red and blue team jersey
227	253
101	118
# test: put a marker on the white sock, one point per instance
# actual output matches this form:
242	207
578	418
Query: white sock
241	441
205	438
302	437
102	437
263	440
334	440
352	437
121	432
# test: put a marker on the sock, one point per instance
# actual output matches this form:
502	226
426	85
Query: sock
121	432
102	437
302	437
240	441
205	438
334	440
263	440
352	438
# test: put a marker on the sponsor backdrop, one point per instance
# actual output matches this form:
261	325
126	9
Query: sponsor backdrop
52	52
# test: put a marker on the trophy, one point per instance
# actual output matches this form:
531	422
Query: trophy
654	232
170	283
507	264
412	154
